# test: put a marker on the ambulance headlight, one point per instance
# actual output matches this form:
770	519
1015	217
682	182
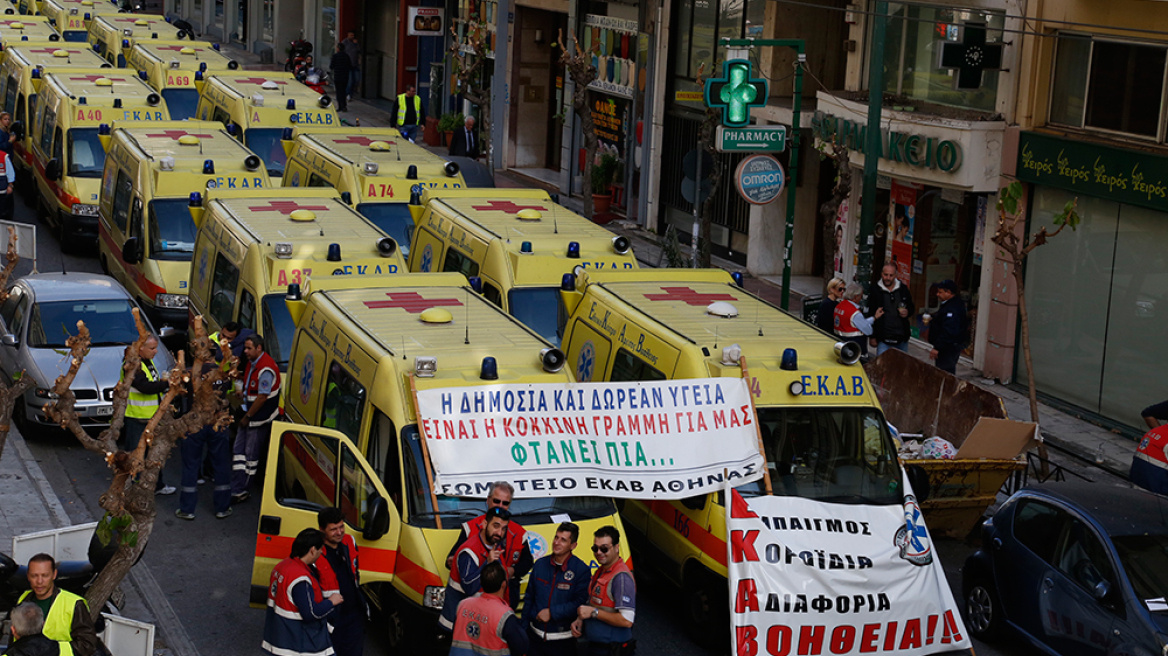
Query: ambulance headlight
386	247
283	249
370	168
620	244
552	359
83	209
489	369
847	352
252	162
434	597
425	366
796	388
171	301
451	169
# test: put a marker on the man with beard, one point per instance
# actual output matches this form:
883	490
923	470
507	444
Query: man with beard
480	549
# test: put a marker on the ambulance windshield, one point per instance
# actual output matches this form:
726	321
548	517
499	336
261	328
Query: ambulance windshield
841	455
456	510
538	309
86	153
394	219
181	103
266	142
172	230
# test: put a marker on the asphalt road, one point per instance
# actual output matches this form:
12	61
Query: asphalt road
203	568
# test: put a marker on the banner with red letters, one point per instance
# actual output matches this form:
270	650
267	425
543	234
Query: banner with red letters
810	578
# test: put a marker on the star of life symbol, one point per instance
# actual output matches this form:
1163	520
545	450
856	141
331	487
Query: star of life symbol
472	629
586	362
912	539
536	544
427	258
307	374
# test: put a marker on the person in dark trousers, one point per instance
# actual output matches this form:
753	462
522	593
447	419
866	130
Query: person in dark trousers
261	404
825	317
67	618
27	622
486	625
948	333
339	572
341	66
353	50
464	142
408	113
146	392
894	328
557	587
486	546
216	444
607	619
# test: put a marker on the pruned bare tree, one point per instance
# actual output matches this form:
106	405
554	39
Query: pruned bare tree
469	55
130	502
582	72
10	391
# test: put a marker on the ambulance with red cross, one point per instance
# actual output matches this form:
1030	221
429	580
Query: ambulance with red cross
362	350
253	243
373	168
72	17
15	30
112	35
177	70
818	417
516	245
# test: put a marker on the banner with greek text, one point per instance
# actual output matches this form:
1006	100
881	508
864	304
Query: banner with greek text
635	440
808	577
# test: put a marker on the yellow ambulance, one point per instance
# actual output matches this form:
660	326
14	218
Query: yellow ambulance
360	352
253	243
112	36
15	30
373	167
28	7
147	235
21	74
259	105
74	110
177	69
516	244
825	436
72	17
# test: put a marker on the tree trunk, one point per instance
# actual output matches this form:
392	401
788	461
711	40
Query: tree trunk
10	395
1024	318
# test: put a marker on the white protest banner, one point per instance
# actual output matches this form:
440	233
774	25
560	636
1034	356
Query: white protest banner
810	578
635	440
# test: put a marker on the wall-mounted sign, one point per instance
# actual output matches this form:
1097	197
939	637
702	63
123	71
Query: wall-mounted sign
755	139
916	150
760	179
426	21
615	43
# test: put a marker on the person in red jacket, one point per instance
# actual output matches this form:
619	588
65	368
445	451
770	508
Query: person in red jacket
295	621
485	624
339	572
849	323
261	403
517	556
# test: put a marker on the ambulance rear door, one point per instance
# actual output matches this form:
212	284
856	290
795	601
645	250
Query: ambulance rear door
305	465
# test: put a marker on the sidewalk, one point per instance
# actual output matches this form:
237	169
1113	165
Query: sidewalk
1081	438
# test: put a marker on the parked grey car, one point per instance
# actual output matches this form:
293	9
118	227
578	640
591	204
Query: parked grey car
41	312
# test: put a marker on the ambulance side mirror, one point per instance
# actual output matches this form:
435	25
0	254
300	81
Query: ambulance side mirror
918	478
17	128
377	520
53	169
132	251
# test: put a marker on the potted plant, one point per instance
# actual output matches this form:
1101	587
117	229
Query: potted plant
450	122
601	176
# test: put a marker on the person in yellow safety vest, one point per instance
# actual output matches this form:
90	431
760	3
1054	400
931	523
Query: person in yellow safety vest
67	617
408	114
146	392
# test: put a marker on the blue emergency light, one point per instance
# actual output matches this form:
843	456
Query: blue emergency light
525	247
232	129
202	66
293	292
476	283
412	172
215	46
196	199
490	369
125	44
334	253
117	103
287	134
568	282
142	75
291	103
82	101
574	249
346	198
790	360
198	76
103	129
737	276
208	166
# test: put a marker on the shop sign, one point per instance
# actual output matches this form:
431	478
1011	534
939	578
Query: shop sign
613	42
426	21
916	150
757	139
760	179
609	118
1125	176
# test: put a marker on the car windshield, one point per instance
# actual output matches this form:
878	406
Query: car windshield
110	322
394	219
75	36
1145	559
456	510
278	329
538	308
86	153
266	143
181	103
840	455
172	230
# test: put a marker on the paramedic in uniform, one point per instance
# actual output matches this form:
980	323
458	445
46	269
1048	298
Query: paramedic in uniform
1149	468
607	619
295	621
339	572
486	625
261	390
477	552
517	554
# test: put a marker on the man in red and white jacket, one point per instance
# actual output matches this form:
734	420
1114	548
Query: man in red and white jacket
295	621
339	572
261	403
517	558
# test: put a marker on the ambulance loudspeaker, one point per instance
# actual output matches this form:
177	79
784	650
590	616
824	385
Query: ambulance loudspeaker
847	352
553	359
451	169
252	162
386	246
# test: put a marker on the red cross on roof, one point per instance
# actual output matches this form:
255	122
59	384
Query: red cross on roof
174	48
135	19
689	296
287	207
506	206
44	50
87	78
411	302
362	141
260	80
175	134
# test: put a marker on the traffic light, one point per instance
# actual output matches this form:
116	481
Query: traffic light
736	92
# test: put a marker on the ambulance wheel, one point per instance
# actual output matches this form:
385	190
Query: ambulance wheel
401	637
983	607
706	608
104	265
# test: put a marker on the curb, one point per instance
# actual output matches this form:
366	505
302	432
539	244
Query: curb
44	489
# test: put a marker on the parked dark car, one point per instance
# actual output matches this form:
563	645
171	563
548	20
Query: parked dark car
1079	569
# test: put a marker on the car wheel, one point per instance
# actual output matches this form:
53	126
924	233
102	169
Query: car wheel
983	608
706	609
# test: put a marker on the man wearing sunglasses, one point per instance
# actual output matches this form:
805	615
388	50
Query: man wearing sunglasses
557	587
607	620
517	557
482	548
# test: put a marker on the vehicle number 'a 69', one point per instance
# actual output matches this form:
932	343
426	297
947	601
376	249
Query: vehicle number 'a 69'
178	80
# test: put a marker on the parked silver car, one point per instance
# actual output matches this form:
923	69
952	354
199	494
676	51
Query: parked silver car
41	312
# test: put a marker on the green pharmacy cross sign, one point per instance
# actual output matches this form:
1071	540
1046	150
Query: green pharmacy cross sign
736	92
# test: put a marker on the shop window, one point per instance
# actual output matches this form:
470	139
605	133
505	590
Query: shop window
701	23
912	52
1108	85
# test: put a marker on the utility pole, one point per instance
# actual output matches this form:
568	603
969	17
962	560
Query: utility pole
872	144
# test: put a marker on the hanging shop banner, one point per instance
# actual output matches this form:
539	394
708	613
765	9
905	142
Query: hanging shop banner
426	21
615	43
808	577
640	440
841	229
902	212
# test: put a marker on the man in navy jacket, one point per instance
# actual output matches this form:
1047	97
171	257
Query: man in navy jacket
558	586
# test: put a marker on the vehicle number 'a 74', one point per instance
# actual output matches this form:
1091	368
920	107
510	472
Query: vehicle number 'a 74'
380	190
